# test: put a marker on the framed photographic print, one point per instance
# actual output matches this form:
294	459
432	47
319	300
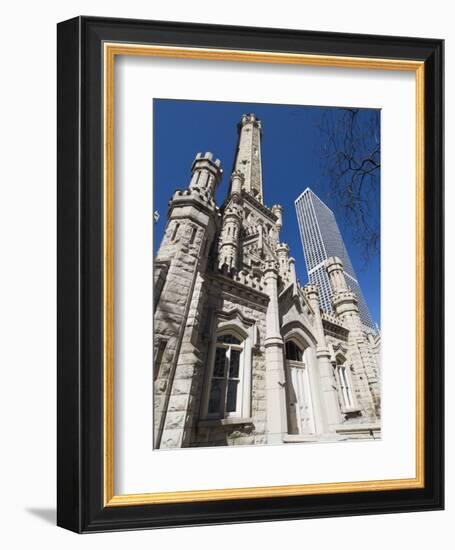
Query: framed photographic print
250	274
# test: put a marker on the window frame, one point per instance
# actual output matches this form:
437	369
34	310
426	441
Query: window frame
243	408
341	366
229	347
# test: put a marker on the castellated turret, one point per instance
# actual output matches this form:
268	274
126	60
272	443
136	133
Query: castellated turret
206	173
193	222
361	354
344	301
191	209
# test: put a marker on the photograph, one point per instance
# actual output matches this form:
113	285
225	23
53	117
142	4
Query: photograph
267	246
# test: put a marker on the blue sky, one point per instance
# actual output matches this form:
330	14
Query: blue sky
291	159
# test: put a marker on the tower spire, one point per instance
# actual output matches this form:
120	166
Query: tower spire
248	159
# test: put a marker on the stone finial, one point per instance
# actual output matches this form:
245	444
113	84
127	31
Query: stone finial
293	275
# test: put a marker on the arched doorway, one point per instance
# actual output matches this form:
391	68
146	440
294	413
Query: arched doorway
300	403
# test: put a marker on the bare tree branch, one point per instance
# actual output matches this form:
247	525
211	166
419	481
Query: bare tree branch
351	158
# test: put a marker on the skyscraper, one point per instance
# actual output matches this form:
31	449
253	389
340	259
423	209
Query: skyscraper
321	239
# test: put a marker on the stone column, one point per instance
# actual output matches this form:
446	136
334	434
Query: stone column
329	391
275	377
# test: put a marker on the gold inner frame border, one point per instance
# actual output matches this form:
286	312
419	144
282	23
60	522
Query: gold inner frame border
110	51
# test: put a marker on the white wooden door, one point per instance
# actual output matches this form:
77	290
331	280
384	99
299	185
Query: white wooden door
304	405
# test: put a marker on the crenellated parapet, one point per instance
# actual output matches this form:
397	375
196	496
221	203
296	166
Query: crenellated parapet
248	279
282	250
332	319
345	303
311	292
199	195
270	264
206	173
251	119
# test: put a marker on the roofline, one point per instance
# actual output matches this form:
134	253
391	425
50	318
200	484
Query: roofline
303	192
309	190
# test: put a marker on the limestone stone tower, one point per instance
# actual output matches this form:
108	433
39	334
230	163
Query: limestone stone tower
181	258
248	159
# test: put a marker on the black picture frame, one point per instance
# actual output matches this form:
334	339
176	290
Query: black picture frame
80	474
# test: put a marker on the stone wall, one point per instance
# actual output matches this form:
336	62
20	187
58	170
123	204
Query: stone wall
214	433
182	249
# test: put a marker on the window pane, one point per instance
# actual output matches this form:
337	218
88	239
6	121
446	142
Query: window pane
158	358
229	339
215	396
293	352
234	364
231	399
220	362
